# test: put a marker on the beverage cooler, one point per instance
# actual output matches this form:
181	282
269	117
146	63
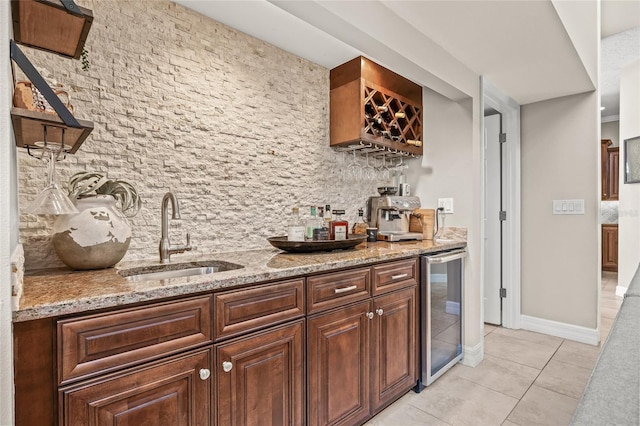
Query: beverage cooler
441	319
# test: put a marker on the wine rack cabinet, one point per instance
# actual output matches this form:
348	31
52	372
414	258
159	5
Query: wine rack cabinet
375	110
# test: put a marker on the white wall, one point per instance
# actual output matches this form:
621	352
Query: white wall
560	256
629	207
8	222
450	167
611	130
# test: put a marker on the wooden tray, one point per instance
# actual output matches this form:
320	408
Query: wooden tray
311	246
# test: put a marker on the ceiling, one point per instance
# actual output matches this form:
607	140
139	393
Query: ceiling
522	47
620	45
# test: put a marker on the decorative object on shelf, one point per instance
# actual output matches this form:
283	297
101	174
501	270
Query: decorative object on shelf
60	27
374	110
28	124
632	160
312	246
99	235
52	200
27	96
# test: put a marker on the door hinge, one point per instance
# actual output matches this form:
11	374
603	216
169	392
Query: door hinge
503	292
503	215
503	137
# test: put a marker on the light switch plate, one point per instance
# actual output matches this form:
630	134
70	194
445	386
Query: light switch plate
568	206
447	203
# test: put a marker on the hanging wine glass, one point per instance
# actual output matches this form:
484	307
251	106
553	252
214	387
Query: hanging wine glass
368	172
52	200
354	167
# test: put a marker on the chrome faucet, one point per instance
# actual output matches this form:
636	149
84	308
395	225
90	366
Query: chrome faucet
166	249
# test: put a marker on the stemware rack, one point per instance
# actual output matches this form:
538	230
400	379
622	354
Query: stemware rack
374	150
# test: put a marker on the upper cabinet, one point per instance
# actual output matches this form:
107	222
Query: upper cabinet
374	107
610	164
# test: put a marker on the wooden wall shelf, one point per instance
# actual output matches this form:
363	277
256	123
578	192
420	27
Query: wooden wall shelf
375	106
28	127
47	25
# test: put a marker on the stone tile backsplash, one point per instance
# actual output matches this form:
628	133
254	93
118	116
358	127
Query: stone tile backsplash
237	128
609	211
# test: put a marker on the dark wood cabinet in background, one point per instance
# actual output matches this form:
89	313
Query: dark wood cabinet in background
610	164
610	247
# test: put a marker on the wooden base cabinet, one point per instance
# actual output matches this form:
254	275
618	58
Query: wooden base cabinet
338	354
174	392
610	247
260	378
361	358
394	344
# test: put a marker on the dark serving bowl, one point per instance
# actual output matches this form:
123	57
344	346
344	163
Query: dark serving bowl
310	246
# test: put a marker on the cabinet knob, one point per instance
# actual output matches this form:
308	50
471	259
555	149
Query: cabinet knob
379	311
205	373
370	315
227	366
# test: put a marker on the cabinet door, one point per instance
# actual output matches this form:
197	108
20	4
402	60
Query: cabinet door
338	366
174	392
610	248
394	337
260	378
613	156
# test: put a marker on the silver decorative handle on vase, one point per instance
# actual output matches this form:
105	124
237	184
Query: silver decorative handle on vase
227	366
344	289
205	373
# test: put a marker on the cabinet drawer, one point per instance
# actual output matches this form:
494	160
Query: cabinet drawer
100	343
241	311
394	275
337	288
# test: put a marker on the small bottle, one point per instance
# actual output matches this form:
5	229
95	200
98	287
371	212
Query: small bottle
295	230
312	223
327	214
321	231
338	228
360	226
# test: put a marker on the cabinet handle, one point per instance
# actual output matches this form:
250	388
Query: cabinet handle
227	366
370	315
397	277
205	373
344	289
379	311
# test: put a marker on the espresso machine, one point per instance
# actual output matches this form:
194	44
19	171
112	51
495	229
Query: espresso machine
391	215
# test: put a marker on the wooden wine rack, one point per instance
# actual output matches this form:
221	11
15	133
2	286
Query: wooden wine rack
375	110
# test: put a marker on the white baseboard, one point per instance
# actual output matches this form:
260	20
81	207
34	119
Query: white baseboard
620	291
473	355
560	329
452	308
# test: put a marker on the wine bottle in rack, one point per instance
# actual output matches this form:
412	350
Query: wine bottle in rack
400	114
414	142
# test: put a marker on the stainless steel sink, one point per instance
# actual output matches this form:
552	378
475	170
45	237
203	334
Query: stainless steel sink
177	270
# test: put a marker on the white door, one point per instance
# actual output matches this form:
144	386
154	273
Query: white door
492	223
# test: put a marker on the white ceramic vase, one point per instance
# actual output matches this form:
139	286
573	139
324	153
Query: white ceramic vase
98	237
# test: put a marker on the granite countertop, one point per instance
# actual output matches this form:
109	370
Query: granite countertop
54	292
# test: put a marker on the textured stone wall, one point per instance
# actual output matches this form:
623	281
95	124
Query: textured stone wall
237	128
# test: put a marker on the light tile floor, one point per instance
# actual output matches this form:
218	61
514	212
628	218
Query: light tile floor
525	379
